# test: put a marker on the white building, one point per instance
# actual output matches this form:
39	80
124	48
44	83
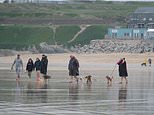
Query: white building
150	34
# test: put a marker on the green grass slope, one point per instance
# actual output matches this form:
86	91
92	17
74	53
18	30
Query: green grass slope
65	33
91	33
18	37
21	36
87	10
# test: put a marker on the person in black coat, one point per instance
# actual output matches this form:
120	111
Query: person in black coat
123	70
37	65
73	67
44	65
29	67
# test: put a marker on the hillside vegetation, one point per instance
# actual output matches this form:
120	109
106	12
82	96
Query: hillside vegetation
18	37
85	10
22	32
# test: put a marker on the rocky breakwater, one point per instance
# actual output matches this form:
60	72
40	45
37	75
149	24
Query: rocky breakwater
115	46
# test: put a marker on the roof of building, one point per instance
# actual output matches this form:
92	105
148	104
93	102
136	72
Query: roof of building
145	10
150	30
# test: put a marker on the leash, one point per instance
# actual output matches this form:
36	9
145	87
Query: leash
113	70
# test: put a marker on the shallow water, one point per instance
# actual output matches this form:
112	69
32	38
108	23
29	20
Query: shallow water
59	97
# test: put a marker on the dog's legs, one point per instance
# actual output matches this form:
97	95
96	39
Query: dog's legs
89	81
108	82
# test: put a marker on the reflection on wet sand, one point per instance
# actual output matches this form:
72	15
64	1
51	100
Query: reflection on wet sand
18	92
31	97
122	96
36	91
73	91
123	93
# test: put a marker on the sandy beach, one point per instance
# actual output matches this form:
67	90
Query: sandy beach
83	58
60	97
60	61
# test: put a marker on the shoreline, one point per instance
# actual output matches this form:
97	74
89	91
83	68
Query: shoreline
87	61
95	58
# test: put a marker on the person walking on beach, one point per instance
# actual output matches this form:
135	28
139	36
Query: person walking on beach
18	65
149	61
37	66
44	65
30	67
123	70
73	67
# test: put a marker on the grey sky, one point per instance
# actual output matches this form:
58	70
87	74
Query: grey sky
102	0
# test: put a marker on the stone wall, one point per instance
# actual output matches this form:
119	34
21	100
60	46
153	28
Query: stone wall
115	46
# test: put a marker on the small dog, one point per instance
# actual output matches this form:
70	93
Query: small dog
143	64
109	79
88	79
46	77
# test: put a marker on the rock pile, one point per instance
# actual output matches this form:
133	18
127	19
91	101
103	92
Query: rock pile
115	46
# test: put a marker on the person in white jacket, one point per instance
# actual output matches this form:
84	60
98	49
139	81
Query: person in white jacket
18	65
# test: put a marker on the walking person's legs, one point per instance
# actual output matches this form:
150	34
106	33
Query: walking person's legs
71	78
18	74
76	78
75	74
71	75
38	75
29	74
123	77
121	80
126	79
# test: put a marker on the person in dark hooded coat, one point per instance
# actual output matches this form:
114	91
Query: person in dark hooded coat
37	65
44	65
123	70
30	67
73	67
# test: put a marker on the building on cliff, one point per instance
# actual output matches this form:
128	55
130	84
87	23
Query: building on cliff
141	18
140	25
127	33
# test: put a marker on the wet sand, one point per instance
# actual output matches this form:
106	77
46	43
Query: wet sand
59	97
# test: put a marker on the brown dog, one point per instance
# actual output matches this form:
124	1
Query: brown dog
47	77
109	79
143	64
88	79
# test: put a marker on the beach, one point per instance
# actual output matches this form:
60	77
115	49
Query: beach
60	61
60	97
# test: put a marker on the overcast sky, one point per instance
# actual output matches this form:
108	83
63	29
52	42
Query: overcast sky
130	0
102	0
